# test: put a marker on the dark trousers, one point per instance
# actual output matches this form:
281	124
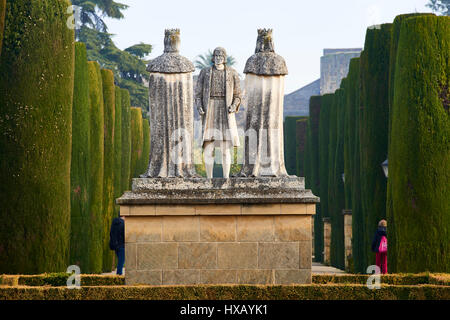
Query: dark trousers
120	252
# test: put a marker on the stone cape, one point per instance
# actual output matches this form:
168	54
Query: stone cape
264	95
266	64
170	62
171	107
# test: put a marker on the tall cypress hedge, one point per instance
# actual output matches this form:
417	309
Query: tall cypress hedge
392	66
313	173
324	137
335	187
126	140
118	150
145	159
301	130
290	153
2	21
419	163
96	171
374	125
109	99
137	141
36	89
306	158
80	174
338	220
352	163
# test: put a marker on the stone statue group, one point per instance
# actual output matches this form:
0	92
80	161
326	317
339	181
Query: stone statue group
218	98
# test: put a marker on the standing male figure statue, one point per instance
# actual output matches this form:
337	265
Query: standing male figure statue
218	97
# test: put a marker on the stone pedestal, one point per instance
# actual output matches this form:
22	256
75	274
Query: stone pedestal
326	241
348	237
236	231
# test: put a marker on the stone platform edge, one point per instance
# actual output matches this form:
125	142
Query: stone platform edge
174	191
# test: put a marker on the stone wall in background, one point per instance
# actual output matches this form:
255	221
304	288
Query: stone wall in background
334	67
297	102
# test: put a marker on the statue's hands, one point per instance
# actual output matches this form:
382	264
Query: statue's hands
200	110
198	103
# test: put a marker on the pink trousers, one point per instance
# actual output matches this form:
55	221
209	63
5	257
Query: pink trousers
381	261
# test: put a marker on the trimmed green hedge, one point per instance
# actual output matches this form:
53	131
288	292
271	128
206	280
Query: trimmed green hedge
96	170
352	164
301	129
374	129
118	150
36	89
241	292
145	159
324	137
126	140
313	173
109	100
337	219
137	141
290	143
60	279
419	159
79	174
2	21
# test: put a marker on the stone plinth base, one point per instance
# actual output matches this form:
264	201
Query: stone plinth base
348	235
201	241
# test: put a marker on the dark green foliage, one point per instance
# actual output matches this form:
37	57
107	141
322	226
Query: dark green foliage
338	204
60	280
137	141
352	164
129	69
312	173
79	174
36	89
301	129
374	129
109	102
392	65
96	170
290	153
126	140
118	150
2	21
419	158
145	159
324	137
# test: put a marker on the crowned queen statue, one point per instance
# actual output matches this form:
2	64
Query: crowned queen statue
264	95
171	112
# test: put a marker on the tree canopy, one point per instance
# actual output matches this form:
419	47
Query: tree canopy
440	6
129	65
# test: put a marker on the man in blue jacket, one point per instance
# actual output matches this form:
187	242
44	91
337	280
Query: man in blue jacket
117	242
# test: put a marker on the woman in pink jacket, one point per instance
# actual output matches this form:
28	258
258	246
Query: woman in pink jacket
379	246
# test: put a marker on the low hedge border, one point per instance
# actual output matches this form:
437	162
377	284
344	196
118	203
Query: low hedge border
392	279
305	292
60	280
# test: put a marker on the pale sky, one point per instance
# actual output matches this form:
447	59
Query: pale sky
302	29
